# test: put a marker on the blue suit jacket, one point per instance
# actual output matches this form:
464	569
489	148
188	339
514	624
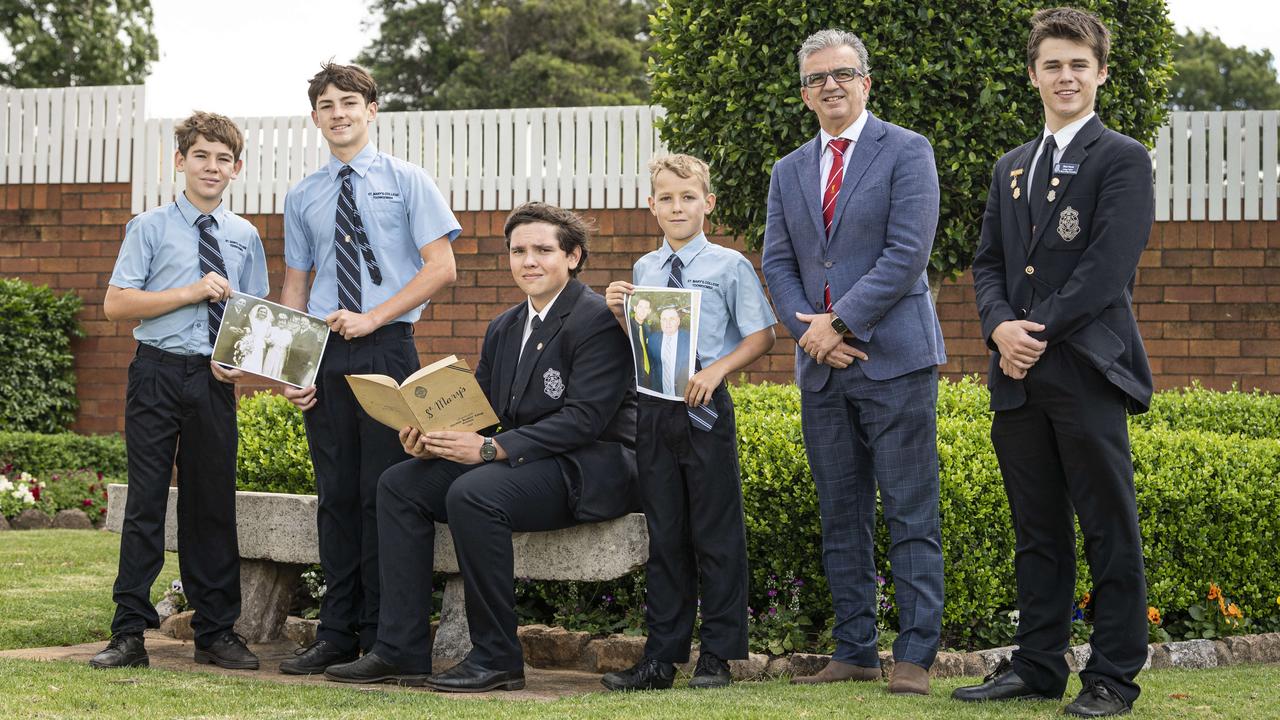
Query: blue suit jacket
877	255
653	340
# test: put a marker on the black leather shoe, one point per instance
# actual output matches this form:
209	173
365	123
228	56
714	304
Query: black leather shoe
316	658
228	651
1097	699
1002	684
373	669
122	651
469	677
648	674
712	671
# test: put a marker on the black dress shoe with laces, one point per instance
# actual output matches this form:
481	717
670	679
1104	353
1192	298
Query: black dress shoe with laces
228	651
1097	699
712	671
373	669
468	677
648	674
126	650
316	658
1002	684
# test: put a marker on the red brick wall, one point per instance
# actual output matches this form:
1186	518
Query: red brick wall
1208	294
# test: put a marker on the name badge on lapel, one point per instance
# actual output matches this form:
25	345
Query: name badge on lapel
552	385
1066	168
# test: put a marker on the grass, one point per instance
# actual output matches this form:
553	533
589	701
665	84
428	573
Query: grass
55	586
50	690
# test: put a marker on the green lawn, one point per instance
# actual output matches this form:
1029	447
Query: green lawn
55	588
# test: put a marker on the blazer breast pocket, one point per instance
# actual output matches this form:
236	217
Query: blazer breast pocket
1068	229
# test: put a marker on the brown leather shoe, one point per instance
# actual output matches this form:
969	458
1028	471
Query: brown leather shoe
836	671
908	678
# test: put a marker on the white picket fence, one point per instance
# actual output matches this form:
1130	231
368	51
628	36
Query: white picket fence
1208	165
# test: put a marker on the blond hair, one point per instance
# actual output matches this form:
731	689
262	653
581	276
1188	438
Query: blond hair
682	166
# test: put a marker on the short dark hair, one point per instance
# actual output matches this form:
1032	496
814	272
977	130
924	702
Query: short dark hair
1068	24
351	78
571	230
214	127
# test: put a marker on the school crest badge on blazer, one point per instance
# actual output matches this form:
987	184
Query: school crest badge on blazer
552	385
1068	224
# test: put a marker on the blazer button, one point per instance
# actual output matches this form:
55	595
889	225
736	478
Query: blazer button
520	460
827	264
1030	270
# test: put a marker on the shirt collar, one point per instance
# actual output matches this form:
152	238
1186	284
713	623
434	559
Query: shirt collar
360	163
853	132
1064	136
191	213
686	253
545	308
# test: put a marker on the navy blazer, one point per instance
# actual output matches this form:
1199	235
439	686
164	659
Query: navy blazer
571	396
1072	269
876	258
653	341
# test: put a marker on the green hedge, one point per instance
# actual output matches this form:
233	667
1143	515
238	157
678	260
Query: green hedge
38	375
41	454
273	453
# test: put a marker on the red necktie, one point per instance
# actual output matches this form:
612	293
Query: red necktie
835	178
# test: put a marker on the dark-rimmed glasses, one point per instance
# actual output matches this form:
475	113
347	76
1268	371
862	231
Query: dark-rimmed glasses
840	75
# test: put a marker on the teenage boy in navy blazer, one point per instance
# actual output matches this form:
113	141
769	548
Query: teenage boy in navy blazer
557	369
1068	216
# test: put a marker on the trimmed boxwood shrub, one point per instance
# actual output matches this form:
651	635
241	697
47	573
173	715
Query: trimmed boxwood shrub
273	455
41	454
38	372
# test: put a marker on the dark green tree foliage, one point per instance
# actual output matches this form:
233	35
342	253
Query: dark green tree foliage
955	72
60	43
1210	75
37	376
460	54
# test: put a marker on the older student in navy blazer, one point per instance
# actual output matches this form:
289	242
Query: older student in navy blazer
1068	216
557	369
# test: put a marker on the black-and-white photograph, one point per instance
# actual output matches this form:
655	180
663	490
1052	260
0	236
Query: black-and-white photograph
271	340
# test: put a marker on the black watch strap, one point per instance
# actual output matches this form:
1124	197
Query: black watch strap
838	325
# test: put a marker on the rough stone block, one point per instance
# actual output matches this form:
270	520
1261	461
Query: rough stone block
947	665
974	665
1158	657
807	663
993	657
4	523
616	652
1078	657
452	639
164	609
552	647
71	520
300	630
266	592
778	666
178	626
30	519
1192	654
749	668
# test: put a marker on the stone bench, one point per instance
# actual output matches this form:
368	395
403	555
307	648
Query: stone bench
278	539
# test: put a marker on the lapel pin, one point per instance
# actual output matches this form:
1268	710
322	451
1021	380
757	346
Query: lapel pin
1054	182
1013	183
1015	173
1017	193
539	346
1052	194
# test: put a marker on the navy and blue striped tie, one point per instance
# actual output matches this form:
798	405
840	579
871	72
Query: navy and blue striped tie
702	416
348	239
211	261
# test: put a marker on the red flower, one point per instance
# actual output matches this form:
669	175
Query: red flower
87	502
35	492
102	511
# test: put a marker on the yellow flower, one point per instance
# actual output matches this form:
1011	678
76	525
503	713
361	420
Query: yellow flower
1222	605
1214	592
1234	611
1153	616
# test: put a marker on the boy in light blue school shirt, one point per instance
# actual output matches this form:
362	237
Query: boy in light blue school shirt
177	266
377	233
159	253
397	202
687	452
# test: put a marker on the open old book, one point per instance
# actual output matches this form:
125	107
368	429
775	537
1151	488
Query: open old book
441	396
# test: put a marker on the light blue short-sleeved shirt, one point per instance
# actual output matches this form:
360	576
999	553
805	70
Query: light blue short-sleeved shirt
733	303
161	250
401	208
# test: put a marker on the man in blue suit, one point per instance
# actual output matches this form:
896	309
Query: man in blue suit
850	226
668	354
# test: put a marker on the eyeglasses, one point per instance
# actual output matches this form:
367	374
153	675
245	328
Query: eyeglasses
841	75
